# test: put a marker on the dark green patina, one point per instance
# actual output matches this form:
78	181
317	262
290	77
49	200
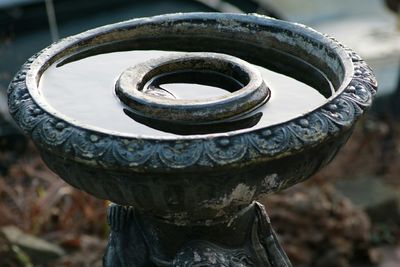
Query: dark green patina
187	200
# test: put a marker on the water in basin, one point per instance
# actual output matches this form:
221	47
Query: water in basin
191	85
84	91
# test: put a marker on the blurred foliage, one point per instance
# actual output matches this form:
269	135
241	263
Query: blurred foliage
38	202
317	225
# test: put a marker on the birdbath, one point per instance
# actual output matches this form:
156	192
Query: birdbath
183	120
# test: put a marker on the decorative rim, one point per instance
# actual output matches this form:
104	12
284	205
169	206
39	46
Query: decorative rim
70	139
129	89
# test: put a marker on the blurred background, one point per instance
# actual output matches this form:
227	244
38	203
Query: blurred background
347	215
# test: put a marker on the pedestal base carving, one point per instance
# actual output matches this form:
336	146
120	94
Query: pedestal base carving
143	241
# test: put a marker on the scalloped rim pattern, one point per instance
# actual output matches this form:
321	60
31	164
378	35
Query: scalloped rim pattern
74	141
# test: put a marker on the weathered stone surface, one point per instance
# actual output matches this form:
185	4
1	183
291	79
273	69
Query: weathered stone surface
201	180
379	200
39	250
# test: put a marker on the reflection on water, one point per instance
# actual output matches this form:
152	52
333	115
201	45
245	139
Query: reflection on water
191	85
84	90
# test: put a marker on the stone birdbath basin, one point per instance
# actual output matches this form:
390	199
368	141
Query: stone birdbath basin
183	120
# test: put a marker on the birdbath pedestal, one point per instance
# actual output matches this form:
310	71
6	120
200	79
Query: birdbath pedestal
184	173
